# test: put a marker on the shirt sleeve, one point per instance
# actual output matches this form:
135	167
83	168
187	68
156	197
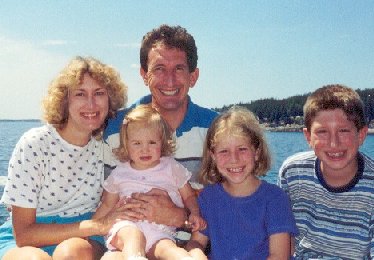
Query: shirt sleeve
371	232
282	179
280	218
111	184
179	173
25	172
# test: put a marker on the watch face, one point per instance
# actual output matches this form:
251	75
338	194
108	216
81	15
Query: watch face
182	237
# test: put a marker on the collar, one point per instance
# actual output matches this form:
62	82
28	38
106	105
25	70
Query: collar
348	186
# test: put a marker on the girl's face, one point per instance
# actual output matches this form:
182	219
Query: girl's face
235	158
88	106
143	145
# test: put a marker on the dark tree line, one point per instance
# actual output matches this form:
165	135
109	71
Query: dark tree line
290	110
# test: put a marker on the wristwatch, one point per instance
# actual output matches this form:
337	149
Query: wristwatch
183	234
186	224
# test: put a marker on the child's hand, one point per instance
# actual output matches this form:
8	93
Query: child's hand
196	223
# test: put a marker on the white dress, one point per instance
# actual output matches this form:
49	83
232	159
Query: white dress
168	175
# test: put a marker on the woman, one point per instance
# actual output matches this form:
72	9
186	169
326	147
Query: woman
56	171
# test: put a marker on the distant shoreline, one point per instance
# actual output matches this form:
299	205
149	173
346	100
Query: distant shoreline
296	128
20	120
286	128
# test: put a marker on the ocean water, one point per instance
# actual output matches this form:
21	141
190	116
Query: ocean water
281	144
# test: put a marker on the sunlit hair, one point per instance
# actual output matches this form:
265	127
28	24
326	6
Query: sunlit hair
237	121
171	37
144	116
55	104
331	97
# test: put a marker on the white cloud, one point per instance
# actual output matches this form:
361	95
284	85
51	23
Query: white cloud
25	72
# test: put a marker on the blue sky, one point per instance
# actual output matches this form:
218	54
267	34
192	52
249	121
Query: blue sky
248	50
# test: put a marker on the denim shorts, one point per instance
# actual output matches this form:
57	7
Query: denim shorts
7	240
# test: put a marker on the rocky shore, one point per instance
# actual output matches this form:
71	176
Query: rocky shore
296	128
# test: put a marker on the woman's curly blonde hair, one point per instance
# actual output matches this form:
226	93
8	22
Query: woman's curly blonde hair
55	104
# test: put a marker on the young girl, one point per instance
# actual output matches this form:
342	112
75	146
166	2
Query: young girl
146	145
247	218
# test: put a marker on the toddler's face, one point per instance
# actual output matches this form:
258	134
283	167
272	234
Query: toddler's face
144	146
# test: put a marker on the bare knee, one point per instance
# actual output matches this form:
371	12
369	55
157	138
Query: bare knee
114	255
131	240
26	252
167	249
74	248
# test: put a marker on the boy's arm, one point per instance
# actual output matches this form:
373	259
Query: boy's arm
279	246
108	201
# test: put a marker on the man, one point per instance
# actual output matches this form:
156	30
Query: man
168	58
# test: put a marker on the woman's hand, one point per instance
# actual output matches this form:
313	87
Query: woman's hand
106	218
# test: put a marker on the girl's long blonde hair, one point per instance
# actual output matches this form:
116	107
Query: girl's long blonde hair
240	122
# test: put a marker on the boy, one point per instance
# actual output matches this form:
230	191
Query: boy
332	187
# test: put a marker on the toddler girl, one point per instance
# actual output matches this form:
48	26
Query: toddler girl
146	145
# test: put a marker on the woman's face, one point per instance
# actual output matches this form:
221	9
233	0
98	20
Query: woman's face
88	106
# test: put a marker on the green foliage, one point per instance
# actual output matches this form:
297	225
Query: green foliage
290	110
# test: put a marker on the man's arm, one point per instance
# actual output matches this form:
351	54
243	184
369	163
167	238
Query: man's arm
156	206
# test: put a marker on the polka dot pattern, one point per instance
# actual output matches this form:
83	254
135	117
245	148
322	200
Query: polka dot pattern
57	178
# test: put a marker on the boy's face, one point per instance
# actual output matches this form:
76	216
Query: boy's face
335	141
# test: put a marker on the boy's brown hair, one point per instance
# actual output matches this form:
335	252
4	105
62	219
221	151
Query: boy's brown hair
331	97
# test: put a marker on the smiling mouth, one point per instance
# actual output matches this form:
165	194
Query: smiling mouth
170	92
235	170
336	155
90	115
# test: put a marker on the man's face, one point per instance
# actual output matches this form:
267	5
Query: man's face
168	78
